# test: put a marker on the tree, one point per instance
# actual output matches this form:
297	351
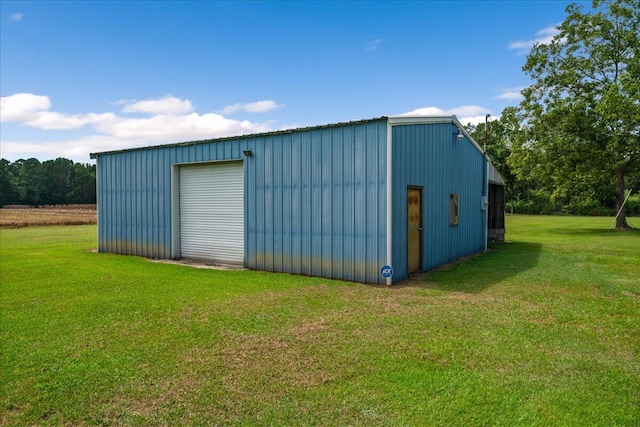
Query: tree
84	184
8	194
581	116
28	181
56	181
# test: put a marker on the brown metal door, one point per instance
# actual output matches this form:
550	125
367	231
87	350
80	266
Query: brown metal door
414	229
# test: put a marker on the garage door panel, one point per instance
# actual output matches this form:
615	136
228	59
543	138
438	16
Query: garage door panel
212	212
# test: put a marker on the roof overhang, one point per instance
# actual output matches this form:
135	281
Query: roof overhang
495	177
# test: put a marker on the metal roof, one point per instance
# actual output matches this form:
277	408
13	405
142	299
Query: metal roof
495	177
227	138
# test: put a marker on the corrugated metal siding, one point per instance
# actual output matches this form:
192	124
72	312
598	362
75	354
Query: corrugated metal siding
430	156
212	212
134	195
315	200
316	205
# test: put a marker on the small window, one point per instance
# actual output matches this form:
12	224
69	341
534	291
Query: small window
454	203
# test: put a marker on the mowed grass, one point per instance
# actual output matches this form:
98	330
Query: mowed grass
542	330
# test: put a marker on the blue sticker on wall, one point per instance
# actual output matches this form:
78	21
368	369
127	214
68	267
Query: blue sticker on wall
386	271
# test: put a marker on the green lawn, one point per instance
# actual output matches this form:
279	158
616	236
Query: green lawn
543	330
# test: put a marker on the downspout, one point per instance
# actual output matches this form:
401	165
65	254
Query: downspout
389	200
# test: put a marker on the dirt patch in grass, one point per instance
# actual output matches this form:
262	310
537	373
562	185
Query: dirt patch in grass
320	344
24	216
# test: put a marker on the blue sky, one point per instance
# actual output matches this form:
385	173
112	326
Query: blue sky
80	77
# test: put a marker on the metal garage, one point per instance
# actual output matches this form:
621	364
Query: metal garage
370	201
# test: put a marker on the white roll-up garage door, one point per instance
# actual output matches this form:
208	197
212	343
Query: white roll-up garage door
212	212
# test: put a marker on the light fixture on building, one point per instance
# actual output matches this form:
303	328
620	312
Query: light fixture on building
459	134
247	153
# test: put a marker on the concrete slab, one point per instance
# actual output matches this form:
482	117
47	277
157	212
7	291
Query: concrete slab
200	264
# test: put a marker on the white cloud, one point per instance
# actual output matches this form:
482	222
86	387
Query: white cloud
512	94
33	110
167	105
544	36
22	106
373	44
179	128
426	111
252	107
50	120
110	131
466	113
16	17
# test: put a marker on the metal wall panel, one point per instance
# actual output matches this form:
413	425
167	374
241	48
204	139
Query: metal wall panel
430	156
212	212
315	199
135	198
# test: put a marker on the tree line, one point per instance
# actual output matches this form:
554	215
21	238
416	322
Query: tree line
52	182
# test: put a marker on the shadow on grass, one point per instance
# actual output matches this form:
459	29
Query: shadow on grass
593	232
477	273
580	231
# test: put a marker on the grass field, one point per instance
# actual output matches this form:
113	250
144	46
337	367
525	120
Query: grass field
23	216
543	330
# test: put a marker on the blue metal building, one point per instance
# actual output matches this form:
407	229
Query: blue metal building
338	201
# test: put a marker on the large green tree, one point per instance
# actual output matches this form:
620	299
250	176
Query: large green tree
581	115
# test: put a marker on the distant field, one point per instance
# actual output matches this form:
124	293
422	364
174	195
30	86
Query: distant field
23	216
542	330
